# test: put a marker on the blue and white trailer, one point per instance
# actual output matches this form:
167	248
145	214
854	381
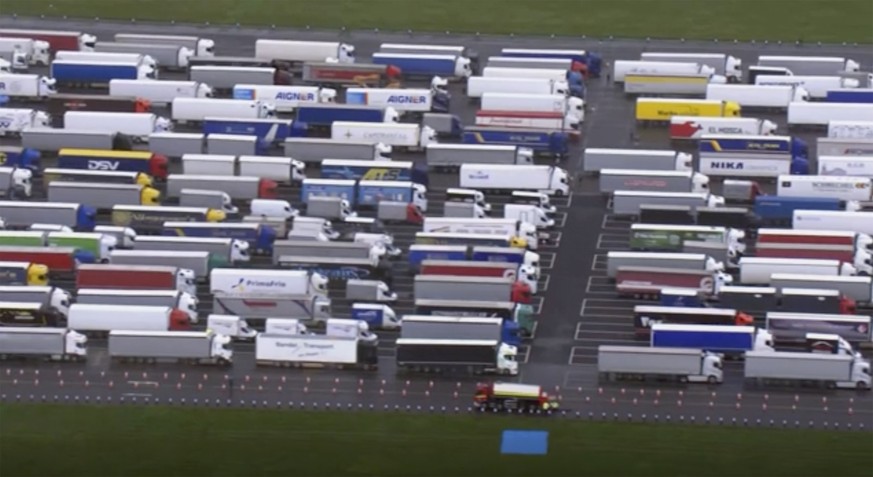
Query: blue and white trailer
421	252
377	316
370	193
374	170
752	156
322	116
773	209
284	98
850	95
427	65
343	188
715	338
269	131
402	100
85	73
21	214
542	142
260	237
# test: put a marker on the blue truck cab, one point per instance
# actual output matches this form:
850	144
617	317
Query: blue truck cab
268	131
374	170
370	193
850	95
733	340
21	157
260	237
773	209
592	61
342	188
542	142
377	316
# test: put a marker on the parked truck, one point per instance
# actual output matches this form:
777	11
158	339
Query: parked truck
638	363
810	65
832	371
136	277
647	316
470	288
310	150
59	344
759	271
301	51
475	356
46	296
351	74
172	57
616	260
793	327
452	156
266	282
255	307
158	346
693	128
647	282
818	115
452	327
170	298
86	74
426	65
858	289
200	46
56	39
506	178
315	350
855	221
105	318
402	135
597	159
753	156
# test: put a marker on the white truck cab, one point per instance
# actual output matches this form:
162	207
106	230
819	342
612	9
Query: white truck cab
221	348
438	85
347	328
230	325
507	362
536	198
530	214
124	236
827	343
74	343
186	281
273	208
61	300
386	242
240	251
456	194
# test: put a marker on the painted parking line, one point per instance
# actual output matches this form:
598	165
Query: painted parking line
549	240
616	223
577	357
523	354
533	331
537	304
547	260
599	262
585	332
600	285
608	306
612	241
610	322
543	285
561	219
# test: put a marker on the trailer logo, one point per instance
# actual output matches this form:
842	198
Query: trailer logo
406	99
295	96
5	123
244	284
734	166
103	165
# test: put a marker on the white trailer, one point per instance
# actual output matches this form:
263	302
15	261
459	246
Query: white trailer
143	61
137	125
831	370
284	99
241	281
508	178
571	107
723	64
479	85
857	221
159	92
838	187
757	95
597	159
485	226
407	135
622	68
304	51
419	100
693	128
810	65
26	86
14	121
170	298
759	270
637	362
311	349
181	346
556	74
850	129
103	318
167	56
670	84
200	46
855	166
816	86
831	146
51	343
821	114
197	109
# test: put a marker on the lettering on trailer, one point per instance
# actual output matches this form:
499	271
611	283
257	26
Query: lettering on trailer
5	123
645	183
295	96
840	185
98	165
478	175
406	99
245	283
647	322
341	273
4	157
724	130
735	166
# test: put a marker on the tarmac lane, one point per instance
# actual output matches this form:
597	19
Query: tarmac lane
578	308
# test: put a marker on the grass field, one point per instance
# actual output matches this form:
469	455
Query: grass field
140	441
810	20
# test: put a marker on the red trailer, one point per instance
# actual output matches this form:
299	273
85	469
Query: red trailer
145	277
648	281
57	39
360	74
469	268
57	259
843	253
820	237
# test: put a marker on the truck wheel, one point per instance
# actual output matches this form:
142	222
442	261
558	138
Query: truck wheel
861	385
711	380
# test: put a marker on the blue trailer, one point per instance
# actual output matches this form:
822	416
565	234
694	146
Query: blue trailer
374	170
777	145
344	189
370	193
715	338
260	237
502	254
375	315
850	95
428	249
338	271
415	64
268	131
146	162
420	252
681	297
322	116
77	72
542	142
772	209
21	157
592	61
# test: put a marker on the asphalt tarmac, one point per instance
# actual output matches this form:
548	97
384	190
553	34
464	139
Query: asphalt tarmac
578	310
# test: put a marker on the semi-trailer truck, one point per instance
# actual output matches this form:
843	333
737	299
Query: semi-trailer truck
472	356
830	370
52	343
180	346
639	363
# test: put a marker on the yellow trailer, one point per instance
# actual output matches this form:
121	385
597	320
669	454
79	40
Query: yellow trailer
662	109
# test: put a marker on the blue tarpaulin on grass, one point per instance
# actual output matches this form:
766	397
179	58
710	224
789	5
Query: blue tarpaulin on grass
525	442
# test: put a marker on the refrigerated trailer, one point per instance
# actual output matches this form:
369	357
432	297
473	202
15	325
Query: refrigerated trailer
314	350
472	356
154	346
680	364
51	343
830	370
